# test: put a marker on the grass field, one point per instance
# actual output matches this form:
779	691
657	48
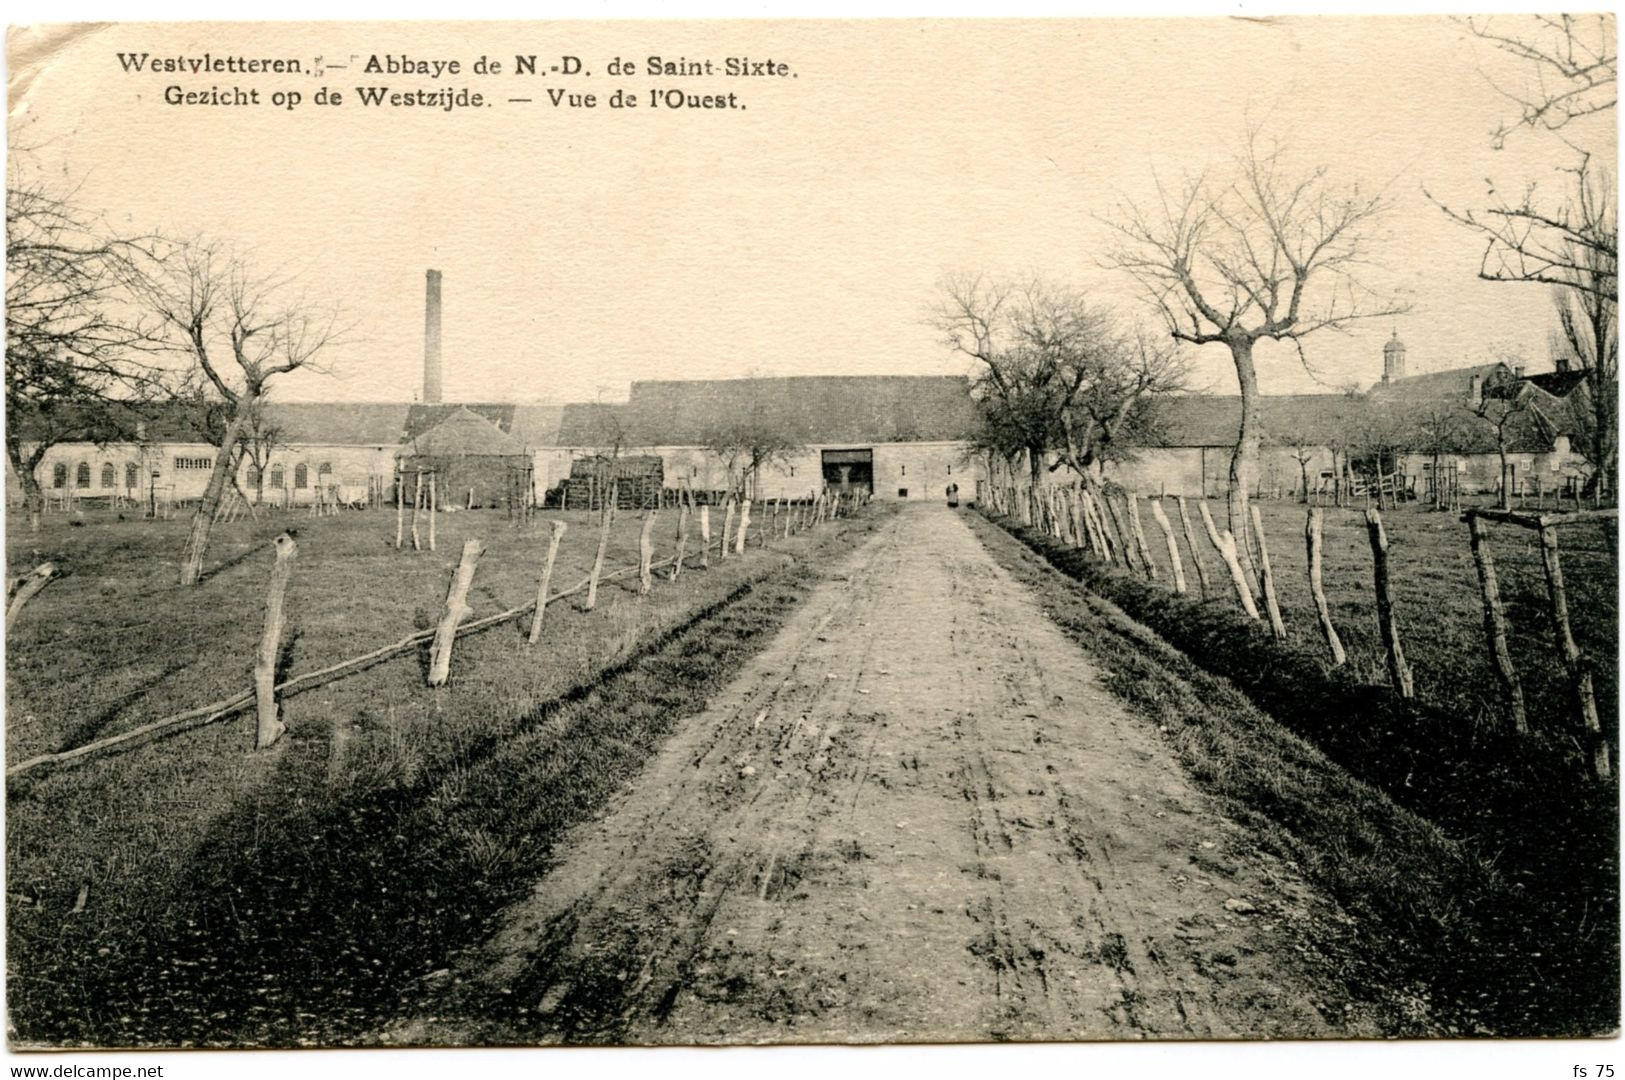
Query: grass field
1524	806
191	889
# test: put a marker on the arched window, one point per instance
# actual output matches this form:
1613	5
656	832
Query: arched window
81	475
132	477
324	474
59	475
301	476
253	476
278	477
109	475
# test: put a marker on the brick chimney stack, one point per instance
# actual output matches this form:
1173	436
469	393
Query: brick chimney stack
432	385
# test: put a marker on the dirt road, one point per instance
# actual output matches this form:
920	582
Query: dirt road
916	815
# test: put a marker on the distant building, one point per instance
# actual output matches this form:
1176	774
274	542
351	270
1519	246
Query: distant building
1403	417
894	436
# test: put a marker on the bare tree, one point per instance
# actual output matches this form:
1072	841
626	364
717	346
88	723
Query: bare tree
1266	253
1499	408
261	437
1571	65
747	446
1056	373
241	331
78	359
1305	446
1587	306
1438	432
1571	242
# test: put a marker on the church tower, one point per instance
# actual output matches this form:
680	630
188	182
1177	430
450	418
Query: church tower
1393	359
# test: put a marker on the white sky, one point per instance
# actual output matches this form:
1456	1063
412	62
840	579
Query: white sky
803	236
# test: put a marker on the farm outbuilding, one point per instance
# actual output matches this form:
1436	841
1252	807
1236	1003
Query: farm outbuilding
474	462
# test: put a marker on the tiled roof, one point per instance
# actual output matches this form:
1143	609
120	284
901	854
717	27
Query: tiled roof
813	410
464	432
1212	420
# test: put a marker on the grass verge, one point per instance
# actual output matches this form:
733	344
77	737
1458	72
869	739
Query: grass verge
309	894
1381	805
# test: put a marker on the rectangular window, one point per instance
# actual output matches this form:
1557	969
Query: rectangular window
194	463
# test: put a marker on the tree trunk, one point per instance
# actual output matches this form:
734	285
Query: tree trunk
1035	465
33	495
1244	459
1506	488
197	539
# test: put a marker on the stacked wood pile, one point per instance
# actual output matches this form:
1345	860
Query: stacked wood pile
636	482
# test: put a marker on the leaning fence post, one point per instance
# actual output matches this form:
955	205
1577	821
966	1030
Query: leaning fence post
744	527
606	515
1161	518
27	588
1266	576
1495	623
1398	670
646	547
1119	534
1569	652
559	528
1226	545
270	728
1311	539
1141	548
456	611
1190	542
1091	509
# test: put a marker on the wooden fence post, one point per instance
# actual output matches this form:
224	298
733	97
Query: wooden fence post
1226	545
559	529
400	505
1311	539
1080	525
1398	670
1190	542
26	588
1141	548
1569	652
1091	508
744	527
457	610
682	538
434	507
1495	623
727	527
1161	517
1266	576
417	502
1119	534
270	728
705	535
606	514
646	547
